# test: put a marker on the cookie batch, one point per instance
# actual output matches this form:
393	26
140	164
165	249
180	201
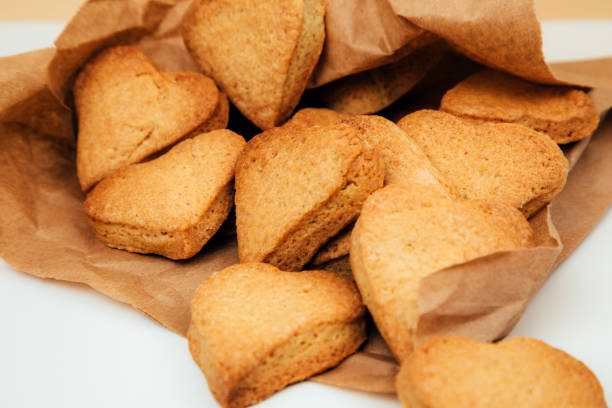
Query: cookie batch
339	213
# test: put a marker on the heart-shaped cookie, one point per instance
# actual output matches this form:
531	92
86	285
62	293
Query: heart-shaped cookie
128	110
255	329
456	372
563	113
171	205
406	232
262	52
500	162
296	188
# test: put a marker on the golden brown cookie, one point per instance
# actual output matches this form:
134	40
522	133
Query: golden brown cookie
371	91
406	232
171	205
260	52
128	110
296	188
563	113
255	329
456	372
501	162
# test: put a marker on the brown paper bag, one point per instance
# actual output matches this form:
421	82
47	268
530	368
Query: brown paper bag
44	232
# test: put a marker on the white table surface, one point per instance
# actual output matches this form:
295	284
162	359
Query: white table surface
65	345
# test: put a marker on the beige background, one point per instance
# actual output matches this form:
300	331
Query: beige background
64	9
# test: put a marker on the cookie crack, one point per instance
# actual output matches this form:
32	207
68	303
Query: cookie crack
142	142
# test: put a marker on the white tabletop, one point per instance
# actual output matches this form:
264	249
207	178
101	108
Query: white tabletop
65	345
